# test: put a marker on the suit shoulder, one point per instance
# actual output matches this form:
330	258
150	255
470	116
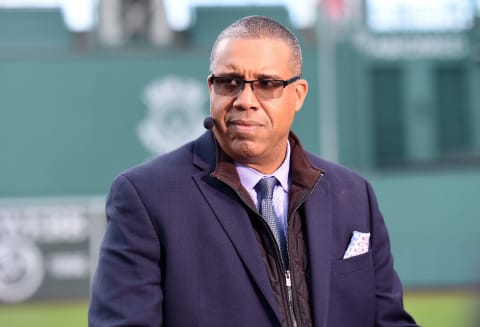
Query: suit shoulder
176	165
163	165
335	172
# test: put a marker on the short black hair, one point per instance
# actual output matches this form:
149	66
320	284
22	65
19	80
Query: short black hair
261	27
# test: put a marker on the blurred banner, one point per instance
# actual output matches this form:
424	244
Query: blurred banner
48	248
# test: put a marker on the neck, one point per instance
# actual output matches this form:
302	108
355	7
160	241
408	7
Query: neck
268	167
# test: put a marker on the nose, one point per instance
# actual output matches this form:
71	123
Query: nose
245	85
246	99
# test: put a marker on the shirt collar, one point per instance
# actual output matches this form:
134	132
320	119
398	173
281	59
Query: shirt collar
249	177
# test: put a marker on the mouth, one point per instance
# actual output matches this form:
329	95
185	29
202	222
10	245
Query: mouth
243	126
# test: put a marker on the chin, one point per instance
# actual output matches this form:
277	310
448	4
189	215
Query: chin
245	149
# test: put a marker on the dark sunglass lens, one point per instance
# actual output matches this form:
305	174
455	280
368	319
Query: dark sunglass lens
268	84
225	85
268	89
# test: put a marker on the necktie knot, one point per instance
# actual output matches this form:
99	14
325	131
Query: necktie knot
265	187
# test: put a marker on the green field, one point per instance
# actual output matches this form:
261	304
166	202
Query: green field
435	309
50	314
432	309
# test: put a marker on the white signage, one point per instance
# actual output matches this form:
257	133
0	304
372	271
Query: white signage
175	113
45	250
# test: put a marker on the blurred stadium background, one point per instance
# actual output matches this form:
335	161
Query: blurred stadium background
89	88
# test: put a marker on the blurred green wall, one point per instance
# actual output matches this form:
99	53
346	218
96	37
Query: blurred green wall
69	120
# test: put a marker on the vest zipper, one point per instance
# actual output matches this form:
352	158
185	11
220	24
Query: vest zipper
290	311
287	294
288	277
288	284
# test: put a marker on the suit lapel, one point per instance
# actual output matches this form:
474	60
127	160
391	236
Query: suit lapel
234	220
233	217
319	238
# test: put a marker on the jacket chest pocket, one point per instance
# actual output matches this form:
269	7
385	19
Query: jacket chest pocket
353	264
353	291
353	275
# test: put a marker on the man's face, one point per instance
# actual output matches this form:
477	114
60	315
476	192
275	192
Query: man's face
251	130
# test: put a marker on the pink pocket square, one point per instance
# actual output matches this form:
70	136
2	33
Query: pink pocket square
358	244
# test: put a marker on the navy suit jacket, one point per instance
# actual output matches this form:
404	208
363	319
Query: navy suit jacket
179	250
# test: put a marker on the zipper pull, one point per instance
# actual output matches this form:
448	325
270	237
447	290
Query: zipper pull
288	281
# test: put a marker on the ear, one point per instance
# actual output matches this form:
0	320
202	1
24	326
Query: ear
209	83
301	90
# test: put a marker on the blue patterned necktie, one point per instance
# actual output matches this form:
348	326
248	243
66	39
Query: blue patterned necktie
265	188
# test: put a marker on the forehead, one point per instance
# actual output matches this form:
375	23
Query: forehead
252	56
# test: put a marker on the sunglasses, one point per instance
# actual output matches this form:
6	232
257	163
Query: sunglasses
265	89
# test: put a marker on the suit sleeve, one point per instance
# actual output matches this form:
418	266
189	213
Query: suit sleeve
126	289
389	293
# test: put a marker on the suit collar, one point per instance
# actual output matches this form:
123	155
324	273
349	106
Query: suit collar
204	151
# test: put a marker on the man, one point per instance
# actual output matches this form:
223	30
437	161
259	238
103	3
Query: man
195	237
